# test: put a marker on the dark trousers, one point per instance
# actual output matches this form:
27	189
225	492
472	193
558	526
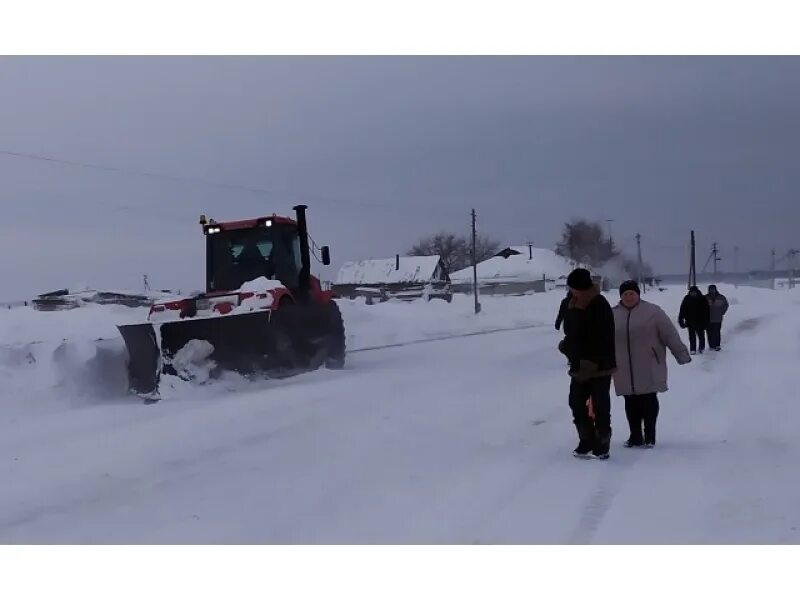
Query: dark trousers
642	410
594	433
695	335
715	335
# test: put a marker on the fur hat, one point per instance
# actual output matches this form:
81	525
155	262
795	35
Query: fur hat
580	279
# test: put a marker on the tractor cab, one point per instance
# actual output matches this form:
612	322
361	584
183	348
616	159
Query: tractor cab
241	251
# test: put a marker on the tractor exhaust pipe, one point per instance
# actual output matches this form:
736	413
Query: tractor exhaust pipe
304	280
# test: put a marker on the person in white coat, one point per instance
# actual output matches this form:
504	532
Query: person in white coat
643	332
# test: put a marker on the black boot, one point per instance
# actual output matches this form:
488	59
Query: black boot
602	444
650	420
586	442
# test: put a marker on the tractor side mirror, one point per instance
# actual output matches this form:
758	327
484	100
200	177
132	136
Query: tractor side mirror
326	255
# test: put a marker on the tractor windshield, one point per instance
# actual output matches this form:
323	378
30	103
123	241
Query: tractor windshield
241	255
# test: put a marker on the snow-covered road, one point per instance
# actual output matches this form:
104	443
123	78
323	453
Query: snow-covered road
460	441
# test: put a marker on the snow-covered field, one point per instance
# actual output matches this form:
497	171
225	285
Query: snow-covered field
466	440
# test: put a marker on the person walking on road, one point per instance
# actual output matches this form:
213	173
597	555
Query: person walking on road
643	332
694	316
589	346
717	306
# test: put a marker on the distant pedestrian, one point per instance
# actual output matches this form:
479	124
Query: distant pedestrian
694	316
643	334
717	306
589	347
562	309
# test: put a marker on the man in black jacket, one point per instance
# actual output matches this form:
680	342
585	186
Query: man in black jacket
589	347
562	310
694	316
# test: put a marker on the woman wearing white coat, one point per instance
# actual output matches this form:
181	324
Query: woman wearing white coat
643	332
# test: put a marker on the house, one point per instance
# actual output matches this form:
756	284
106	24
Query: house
66	300
516	270
403	277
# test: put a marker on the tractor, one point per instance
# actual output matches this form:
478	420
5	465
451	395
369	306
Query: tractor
262	311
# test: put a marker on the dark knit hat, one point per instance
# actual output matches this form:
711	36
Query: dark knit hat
629	286
580	279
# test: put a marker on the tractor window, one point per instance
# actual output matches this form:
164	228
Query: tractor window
298	263
242	255
264	248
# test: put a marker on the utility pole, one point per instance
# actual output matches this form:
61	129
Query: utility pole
772	269
692	264
715	252
146	283
736	265
475	263
639	259
610	236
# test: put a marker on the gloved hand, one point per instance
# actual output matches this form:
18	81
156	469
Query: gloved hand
682	323
562	347
586	371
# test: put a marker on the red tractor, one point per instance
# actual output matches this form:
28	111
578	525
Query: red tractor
262	311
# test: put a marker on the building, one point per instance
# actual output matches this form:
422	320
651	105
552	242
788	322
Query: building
402	277
516	270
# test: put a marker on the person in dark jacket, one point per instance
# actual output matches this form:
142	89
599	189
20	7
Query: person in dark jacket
717	307
562	310
694	316
589	346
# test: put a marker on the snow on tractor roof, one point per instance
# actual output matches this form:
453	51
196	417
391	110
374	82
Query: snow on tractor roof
518	263
412	269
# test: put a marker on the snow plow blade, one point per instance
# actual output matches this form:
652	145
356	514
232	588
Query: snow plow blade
278	343
144	358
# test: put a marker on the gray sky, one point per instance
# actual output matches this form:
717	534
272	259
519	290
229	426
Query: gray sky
387	149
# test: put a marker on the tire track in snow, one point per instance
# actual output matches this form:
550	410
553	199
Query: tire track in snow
445	337
602	499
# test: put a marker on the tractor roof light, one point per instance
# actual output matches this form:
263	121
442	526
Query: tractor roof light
211	230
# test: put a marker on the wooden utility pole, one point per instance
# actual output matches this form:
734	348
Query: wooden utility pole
715	252
610	235
692	264
639	260
772	269
475	262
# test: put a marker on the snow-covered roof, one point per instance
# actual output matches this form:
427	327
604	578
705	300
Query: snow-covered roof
413	269
519	266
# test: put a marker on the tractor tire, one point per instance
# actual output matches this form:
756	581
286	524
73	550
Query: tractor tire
337	344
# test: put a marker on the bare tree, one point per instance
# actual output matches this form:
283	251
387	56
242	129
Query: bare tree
455	250
583	241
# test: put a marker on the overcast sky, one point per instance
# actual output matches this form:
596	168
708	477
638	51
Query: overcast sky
385	150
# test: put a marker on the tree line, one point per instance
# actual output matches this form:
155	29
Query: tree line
581	240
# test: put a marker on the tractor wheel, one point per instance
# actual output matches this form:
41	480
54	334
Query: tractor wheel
336	338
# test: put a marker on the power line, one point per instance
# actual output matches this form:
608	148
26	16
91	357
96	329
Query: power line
220	184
